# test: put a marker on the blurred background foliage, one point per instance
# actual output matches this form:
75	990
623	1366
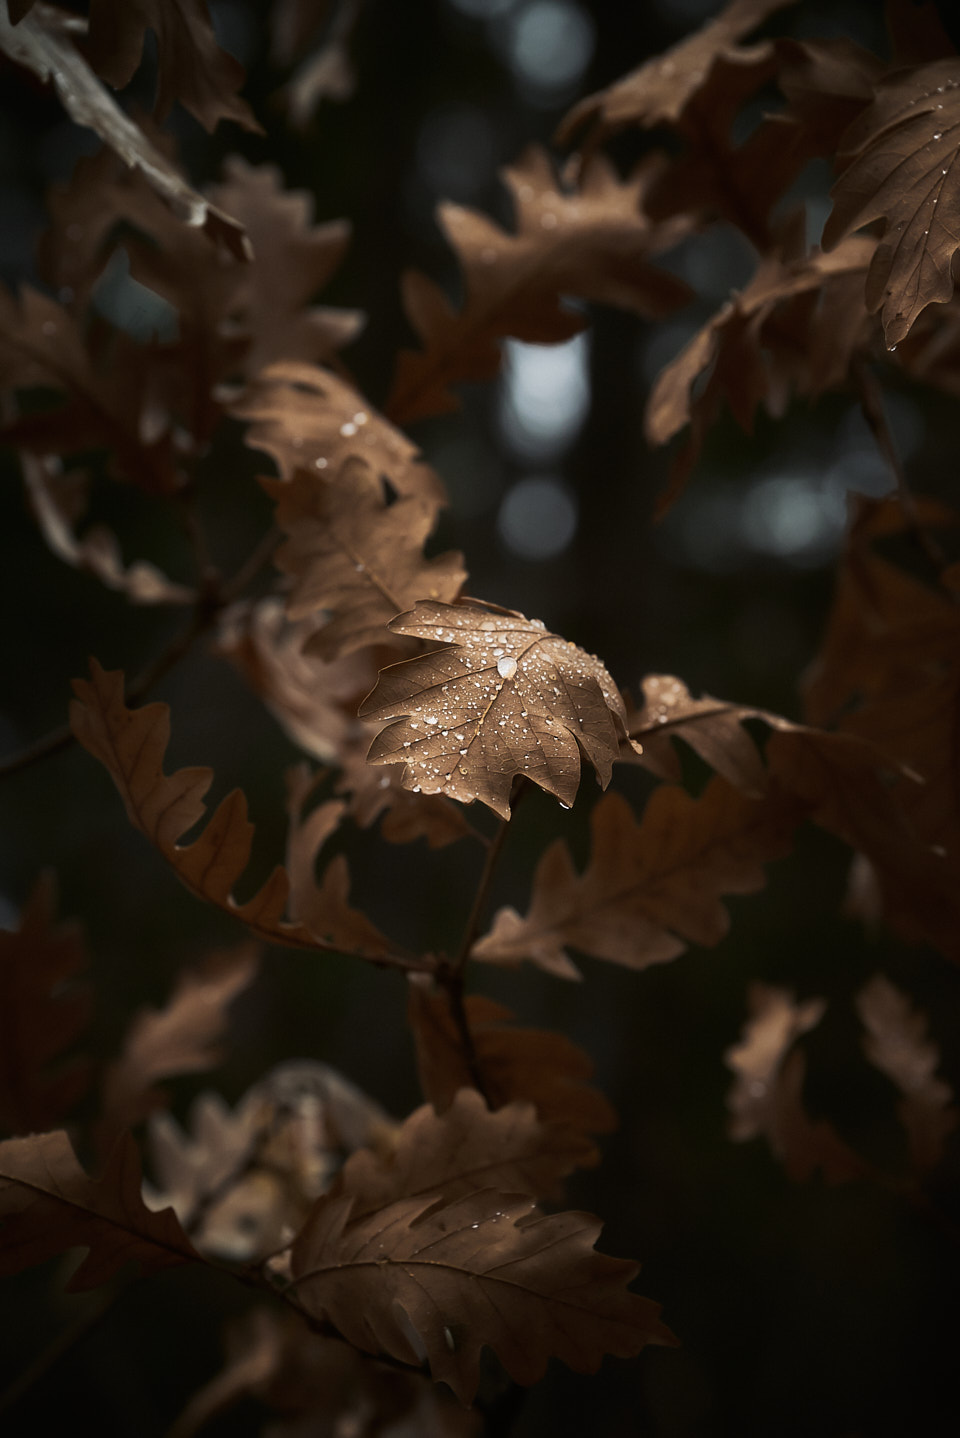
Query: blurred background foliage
803	1310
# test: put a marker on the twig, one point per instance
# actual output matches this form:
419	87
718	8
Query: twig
208	606
451	974
871	405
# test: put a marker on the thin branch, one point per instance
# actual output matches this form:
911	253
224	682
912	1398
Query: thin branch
60	1346
211	601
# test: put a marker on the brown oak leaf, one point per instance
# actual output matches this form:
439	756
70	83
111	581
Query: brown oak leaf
314	701
767	1096
43	1009
503	698
649	888
243	1180
532	1065
480	1270
897	1044
191	67
131	745
58	501
181	1038
461	1150
701	65
323	908
793	329
712	727
307	418
901	165
110	395
592	242
43	43
48	1204
357	557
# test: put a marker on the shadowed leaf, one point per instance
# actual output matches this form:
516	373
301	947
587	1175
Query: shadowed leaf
131	744
481	1269
901	164
351	553
649	888
592	242
48	1204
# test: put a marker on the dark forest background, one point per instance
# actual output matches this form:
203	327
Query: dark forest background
803	1310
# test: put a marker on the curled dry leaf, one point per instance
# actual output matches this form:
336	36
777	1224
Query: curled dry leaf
357	557
898	1045
43	43
131	744
592	243
54	500
328	73
703	64
503	698
649	888
794	328
181	1038
480	1270
767	1096
110	392
48	1204
712	727
243	1180
461	1150
901	164
531	1065
307	418
191	67
42	1011
314	701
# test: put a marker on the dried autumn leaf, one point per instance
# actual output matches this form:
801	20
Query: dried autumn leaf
357	557
712	727
131	744
42	42
191	67
503	698
42	1012
323	908
328	73
54	500
477	1271
459	1151
897	1044
793	329
592	243
649	888
181	1038
110	399
767	1096
314	701
308	418
900	165
532	1065
658	92
48	1204
243	1180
